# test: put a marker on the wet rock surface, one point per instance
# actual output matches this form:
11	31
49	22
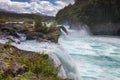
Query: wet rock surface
14	30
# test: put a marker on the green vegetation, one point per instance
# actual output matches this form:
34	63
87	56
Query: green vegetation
50	33
23	65
38	31
43	28
91	12
15	16
11	19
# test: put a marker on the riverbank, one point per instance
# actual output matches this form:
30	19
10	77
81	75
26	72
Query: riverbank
18	64
24	32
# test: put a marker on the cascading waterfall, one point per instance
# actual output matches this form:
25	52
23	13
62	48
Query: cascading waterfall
60	57
71	34
68	63
81	56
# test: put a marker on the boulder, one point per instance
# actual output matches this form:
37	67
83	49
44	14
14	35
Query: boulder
64	29
9	31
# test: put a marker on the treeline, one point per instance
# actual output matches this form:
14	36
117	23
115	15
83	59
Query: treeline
91	11
9	16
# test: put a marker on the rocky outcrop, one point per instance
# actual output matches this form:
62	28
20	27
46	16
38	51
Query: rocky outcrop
63	28
8	31
15	63
19	32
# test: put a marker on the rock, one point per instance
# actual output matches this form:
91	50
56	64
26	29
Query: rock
33	35
22	37
18	31
64	29
16	67
7	31
19	70
16	70
13	39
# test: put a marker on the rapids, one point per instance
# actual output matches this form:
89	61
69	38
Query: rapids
83	57
97	57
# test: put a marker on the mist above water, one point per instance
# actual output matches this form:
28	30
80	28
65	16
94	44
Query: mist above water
97	58
81	30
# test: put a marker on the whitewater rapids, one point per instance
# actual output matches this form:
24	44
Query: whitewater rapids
97	57
83	57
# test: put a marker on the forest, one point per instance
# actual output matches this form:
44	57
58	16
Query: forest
90	12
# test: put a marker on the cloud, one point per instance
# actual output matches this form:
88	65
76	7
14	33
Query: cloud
18	7
35	6
67	1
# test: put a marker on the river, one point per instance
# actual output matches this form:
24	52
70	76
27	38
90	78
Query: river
83	57
97	57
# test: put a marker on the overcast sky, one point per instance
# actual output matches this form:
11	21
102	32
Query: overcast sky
46	7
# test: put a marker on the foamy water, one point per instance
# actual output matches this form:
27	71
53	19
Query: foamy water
57	53
83	57
97	58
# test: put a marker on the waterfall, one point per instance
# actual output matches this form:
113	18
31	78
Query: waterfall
84	30
80	56
81	29
60	57
22	37
68	63
96	58
72	68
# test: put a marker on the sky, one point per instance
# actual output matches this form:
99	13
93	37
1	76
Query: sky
45	7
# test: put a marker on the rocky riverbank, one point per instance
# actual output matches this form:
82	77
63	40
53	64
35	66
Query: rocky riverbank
43	34
18	64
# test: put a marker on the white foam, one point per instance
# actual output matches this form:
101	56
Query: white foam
93	55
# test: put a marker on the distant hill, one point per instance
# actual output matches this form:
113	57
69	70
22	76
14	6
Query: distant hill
7	14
